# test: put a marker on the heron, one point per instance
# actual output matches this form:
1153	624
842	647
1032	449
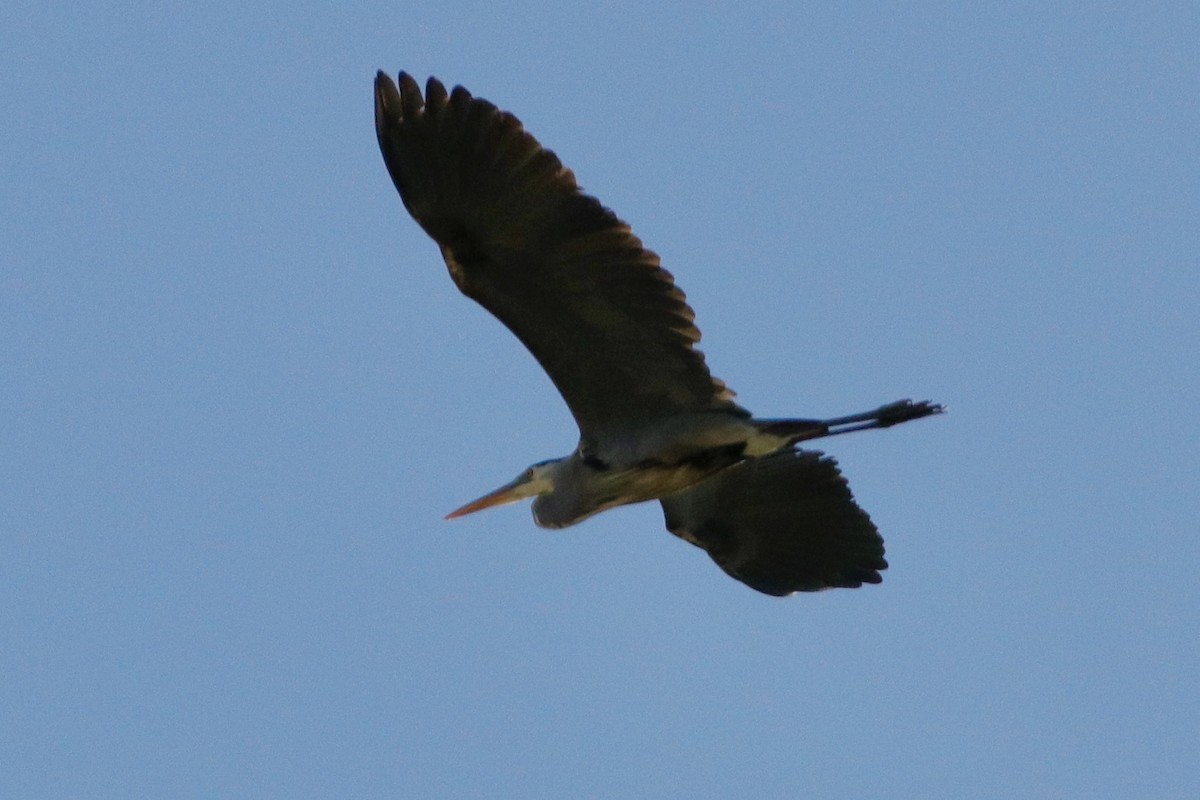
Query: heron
617	338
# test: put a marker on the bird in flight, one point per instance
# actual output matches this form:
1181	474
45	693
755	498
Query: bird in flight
617	338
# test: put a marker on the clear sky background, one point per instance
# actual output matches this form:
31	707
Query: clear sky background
238	392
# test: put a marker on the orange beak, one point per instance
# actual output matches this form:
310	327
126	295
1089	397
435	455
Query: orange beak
510	492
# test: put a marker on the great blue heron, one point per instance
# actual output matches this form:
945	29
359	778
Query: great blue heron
615	335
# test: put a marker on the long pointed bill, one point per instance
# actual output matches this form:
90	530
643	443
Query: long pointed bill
510	492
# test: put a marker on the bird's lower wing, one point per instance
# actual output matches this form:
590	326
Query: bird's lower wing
781	524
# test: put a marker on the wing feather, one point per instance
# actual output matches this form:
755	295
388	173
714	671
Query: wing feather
781	524
568	277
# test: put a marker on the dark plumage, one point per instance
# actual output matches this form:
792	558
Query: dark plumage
616	337
747	519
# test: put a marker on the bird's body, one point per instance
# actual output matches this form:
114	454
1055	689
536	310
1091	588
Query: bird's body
658	460
616	337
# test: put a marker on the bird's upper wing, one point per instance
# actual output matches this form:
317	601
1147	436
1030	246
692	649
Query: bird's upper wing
781	524
559	269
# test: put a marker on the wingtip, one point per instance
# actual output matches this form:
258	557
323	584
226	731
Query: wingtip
387	100
435	92
396	100
410	96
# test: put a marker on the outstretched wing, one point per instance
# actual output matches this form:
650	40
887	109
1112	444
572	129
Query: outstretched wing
780	524
559	269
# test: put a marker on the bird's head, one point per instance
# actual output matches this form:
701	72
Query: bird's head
535	480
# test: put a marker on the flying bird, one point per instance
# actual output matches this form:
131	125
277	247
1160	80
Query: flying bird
617	338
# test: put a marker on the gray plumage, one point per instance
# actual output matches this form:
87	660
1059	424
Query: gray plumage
616	336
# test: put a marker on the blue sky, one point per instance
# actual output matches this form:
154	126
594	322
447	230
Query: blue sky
239	392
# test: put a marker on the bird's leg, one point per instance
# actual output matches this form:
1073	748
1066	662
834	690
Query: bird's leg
882	417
